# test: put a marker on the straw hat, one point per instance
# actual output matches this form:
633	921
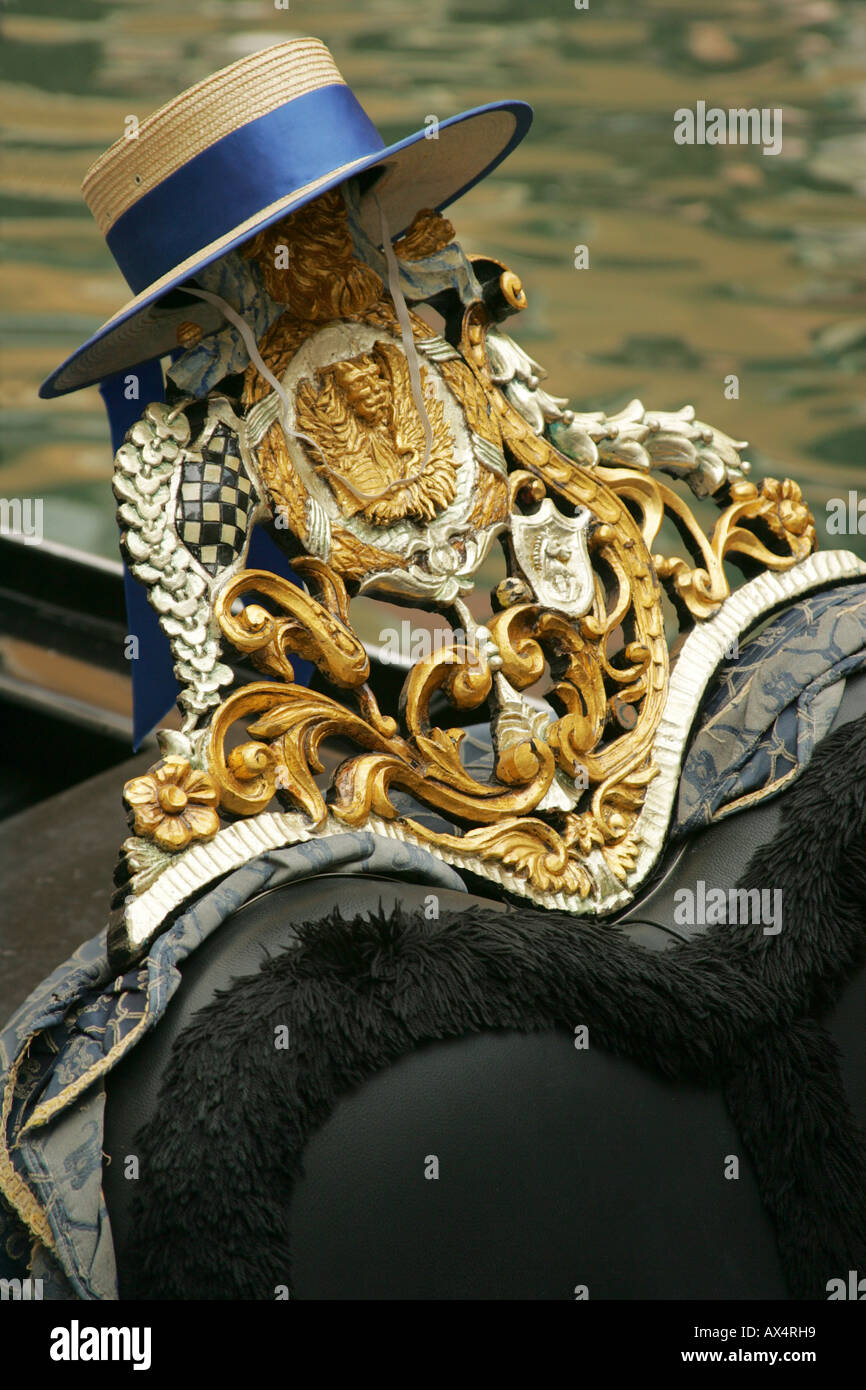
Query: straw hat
234	154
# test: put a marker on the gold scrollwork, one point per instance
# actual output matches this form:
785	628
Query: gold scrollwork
405	491
290	724
589	677
317	629
701	587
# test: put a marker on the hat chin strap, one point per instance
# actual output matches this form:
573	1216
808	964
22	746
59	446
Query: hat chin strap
402	312
261	366
409	347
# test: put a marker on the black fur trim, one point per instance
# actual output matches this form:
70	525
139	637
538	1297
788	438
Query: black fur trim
733	1008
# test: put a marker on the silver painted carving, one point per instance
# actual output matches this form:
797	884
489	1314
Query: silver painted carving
672	442
438	349
551	550
148	469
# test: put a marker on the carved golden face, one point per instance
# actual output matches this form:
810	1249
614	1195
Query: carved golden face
364	383
366	437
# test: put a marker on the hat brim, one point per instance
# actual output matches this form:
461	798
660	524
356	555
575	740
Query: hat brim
420	171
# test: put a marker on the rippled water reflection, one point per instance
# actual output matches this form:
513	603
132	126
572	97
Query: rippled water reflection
704	261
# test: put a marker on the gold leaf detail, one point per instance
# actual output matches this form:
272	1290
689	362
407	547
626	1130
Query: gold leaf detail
370	438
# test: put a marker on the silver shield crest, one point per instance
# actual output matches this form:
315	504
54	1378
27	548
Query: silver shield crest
552	552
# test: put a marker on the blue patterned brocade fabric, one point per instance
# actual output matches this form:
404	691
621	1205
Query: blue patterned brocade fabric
768	707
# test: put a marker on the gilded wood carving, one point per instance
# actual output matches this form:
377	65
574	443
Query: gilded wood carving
390	465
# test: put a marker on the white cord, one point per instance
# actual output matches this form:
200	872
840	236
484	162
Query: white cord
249	339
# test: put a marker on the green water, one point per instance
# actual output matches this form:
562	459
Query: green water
704	260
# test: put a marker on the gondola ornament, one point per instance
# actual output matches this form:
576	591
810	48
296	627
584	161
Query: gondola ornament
346	418
341	462
311	395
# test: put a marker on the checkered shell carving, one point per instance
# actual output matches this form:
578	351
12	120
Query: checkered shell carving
215	502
